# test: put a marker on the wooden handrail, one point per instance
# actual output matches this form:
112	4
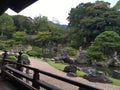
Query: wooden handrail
36	82
30	78
29	87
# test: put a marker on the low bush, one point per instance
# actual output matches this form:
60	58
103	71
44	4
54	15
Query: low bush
2	47
13	58
36	52
62	66
25	56
72	51
32	53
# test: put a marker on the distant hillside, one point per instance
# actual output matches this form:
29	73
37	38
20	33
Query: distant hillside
61	25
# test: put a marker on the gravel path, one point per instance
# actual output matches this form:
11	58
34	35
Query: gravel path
65	86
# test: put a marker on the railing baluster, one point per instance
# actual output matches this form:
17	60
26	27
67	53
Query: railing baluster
3	75
35	78
19	67
4	57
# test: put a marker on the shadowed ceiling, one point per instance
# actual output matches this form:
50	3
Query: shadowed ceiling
15	5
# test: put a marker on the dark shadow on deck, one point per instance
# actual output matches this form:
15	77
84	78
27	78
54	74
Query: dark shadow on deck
6	85
11	84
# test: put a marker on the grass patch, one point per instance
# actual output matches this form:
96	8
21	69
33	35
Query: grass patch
115	81
62	66
57	65
81	74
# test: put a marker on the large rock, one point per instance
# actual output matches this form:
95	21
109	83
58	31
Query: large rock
71	74
114	61
26	61
97	76
82	57
70	68
64	54
116	74
68	60
88	70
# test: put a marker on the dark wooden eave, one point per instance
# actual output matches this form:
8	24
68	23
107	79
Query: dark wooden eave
15	5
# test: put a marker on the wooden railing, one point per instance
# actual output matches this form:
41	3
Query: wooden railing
11	72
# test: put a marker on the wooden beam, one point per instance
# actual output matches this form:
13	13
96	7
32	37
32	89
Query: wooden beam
18	5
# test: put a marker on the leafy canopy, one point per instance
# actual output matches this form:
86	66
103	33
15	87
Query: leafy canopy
103	45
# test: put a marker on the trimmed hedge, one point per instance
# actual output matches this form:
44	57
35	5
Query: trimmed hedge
13	58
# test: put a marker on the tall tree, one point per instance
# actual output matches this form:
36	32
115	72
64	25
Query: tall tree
6	25
23	23
42	38
19	37
91	19
76	14
104	45
117	6
41	24
57	33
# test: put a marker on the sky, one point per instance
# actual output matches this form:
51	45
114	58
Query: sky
54	10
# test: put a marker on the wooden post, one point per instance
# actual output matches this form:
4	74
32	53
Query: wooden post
3	75
4	57
19	61
19	67
35	78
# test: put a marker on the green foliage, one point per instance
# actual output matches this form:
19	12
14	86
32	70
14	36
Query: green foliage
117	5
89	20
25	56
13	58
103	45
57	65
41	23
22	30
23	23
57	33
76	14
19	35
43	36
115	81
6	25
2	47
32	53
62	66
72	51
81	73
108	38
94	54
36	51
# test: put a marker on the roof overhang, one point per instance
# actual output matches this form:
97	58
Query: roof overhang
15	5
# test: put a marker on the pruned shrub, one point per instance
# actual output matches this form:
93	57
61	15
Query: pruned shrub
32	53
104	45
94	52
36	51
25	56
72	51
13	58
2	47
